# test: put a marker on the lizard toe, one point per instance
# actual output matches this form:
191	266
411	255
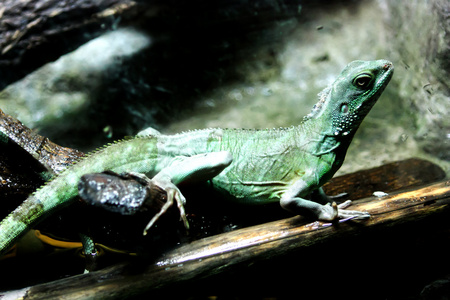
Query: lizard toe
173	193
353	214
332	212
345	204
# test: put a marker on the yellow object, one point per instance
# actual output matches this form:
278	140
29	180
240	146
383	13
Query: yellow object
57	243
70	245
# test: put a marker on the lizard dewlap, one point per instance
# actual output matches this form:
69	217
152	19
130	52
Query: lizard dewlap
251	166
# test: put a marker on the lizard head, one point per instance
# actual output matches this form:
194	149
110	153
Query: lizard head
348	100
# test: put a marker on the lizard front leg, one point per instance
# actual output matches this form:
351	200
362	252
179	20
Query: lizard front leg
195	168
328	210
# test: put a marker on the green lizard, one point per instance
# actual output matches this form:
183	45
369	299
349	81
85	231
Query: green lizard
252	166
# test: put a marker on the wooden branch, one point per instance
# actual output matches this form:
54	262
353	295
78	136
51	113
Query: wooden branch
389	177
220	253
24	155
53	157
35	32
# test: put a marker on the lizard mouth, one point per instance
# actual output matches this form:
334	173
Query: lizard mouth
387	70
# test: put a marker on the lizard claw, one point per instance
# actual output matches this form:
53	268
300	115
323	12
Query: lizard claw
173	193
345	204
353	214
333	212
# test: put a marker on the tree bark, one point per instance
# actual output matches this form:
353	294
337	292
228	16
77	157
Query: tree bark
36	32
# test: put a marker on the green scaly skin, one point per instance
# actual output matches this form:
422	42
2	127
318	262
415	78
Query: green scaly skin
251	166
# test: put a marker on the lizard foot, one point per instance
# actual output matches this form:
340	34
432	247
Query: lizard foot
332	212
173	193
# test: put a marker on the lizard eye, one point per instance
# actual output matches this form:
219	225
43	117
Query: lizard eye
362	80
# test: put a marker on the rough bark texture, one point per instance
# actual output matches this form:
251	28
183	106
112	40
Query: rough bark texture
35	32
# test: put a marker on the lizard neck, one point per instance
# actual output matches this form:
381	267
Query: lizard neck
322	141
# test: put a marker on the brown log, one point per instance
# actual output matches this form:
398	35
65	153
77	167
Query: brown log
388	177
35	32
53	157
220	253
